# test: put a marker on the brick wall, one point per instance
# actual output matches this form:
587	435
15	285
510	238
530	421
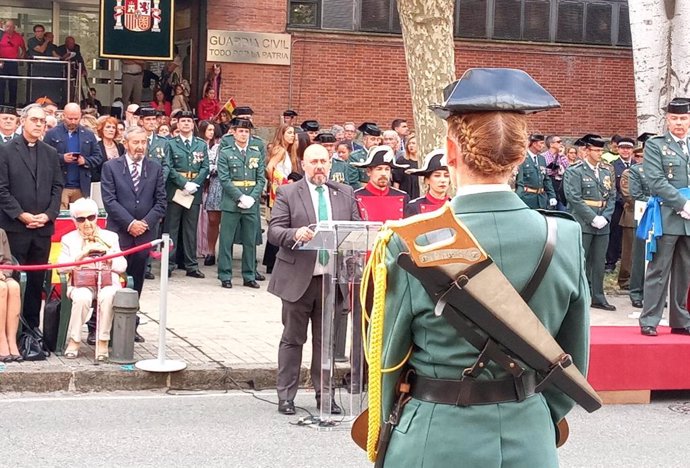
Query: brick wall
338	77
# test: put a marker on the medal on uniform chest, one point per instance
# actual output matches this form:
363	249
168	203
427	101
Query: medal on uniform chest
198	156
253	163
607	182
670	171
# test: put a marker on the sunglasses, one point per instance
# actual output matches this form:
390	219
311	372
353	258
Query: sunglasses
81	219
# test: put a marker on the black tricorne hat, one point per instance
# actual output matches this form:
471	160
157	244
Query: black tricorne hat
147	112
643	137
592	140
583	140
8	110
290	113
241	123
494	89
310	126
434	161
678	106
325	137
536	137
184	115
245	110
369	128
380	156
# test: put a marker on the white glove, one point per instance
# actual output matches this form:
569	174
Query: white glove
191	187
686	209
246	202
553	202
599	222
684	214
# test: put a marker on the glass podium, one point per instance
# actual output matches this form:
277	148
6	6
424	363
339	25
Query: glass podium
348	244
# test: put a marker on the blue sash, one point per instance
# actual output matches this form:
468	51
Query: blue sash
651	222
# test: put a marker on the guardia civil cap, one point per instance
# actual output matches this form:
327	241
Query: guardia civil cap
678	106
185	115
583	140
494	89
626	142
434	161
593	140
290	113
380	156
643	137
147	112
245	110
536	137
241	123
369	128
310	126
8	110
325	137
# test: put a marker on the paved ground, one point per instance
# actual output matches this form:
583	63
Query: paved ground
236	331
150	429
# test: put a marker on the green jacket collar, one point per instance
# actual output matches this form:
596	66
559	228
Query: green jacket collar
487	201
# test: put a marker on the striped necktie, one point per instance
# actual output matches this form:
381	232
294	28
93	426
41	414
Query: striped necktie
135	176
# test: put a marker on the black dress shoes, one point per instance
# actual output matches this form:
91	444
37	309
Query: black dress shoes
637	304
604	306
149	276
138	338
210	260
251	284
648	331
227	284
286	407
196	274
680	331
91	339
335	409
259	276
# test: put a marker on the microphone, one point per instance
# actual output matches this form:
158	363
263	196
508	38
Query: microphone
360	206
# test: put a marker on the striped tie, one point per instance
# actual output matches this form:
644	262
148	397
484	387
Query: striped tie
135	176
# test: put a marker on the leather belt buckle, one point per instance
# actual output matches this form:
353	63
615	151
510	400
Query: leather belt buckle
465	388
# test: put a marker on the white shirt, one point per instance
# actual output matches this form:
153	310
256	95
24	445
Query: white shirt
130	164
285	166
318	268
594	168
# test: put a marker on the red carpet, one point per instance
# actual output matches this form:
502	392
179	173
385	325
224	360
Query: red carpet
623	359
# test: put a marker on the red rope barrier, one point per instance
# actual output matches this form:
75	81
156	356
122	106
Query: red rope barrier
50	266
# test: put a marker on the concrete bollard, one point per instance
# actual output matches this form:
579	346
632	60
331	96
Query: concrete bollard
125	308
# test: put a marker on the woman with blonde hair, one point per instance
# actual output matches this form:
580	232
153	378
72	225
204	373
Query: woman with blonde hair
281	166
468	406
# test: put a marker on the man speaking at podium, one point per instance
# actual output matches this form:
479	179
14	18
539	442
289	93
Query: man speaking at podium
298	274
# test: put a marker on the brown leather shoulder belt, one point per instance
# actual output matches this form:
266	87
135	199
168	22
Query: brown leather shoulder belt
468	391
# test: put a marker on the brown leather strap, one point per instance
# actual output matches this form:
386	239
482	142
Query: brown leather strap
468	392
546	256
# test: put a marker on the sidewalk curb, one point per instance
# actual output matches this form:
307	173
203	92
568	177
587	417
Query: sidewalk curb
112	378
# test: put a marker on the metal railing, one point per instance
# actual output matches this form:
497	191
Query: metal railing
67	75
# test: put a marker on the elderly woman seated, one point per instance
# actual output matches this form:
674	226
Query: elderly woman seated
90	241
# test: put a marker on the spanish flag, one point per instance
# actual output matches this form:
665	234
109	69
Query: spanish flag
230	106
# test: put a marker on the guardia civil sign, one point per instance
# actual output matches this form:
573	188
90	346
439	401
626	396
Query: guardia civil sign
137	29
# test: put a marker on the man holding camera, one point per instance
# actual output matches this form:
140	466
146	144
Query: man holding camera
78	150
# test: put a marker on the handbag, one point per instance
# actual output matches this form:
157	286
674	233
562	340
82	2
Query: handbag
51	320
31	345
88	277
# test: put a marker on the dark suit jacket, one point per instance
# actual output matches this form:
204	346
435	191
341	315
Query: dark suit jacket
124	205
293	209
57	138
96	171
619	167
27	189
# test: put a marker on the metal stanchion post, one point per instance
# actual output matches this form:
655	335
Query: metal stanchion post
161	364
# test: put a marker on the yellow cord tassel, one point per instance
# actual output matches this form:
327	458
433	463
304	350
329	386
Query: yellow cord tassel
377	268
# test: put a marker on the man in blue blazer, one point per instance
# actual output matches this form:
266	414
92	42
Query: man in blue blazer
134	197
79	152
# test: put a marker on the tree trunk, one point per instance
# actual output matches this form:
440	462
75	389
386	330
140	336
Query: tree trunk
427	30
661	58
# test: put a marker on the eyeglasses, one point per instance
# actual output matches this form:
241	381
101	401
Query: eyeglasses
557	141
81	219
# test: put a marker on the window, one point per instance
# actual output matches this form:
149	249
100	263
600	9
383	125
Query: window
304	13
600	22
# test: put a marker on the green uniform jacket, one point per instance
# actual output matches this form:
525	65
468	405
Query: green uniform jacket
343	173
507	434
637	183
579	184
234	169
533	176
358	156
668	169
187	165
159	150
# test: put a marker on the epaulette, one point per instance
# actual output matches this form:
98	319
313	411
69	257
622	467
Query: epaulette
557	214
607	166
657	137
577	164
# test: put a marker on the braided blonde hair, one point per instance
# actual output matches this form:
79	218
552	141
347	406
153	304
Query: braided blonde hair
491	143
